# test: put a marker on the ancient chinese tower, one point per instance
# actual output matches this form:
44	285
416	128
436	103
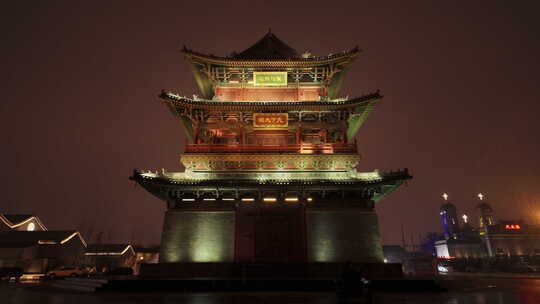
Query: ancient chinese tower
270	162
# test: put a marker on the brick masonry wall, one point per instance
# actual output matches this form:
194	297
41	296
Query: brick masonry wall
343	235
197	236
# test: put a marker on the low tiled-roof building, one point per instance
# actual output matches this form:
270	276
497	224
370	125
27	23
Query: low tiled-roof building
39	251
20	222
110	256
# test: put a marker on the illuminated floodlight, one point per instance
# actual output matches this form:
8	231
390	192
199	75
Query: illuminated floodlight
445	196
442	269
188	200
248	200
291	199
227	199
385	260
481	196
309	199
209	199
465	218
270	199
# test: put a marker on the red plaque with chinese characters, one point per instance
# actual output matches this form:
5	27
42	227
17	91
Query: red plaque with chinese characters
270	120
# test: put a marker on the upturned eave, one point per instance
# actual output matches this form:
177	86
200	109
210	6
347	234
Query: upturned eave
337	58
356	103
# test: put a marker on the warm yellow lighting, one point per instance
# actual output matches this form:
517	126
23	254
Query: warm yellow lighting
111	253
291	199
465	218
309	199
269	199
248	200
72	236
13	225
188	199
306	150
33	276
31	227
47	242
481	196
445	196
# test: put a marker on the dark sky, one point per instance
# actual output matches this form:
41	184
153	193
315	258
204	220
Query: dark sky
80	112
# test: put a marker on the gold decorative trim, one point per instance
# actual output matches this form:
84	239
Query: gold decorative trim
269	162
335	59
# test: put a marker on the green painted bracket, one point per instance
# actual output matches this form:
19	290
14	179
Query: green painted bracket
185	122
357	119
386	190
205	85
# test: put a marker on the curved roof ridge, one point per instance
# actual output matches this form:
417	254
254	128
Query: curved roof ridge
331	56
370	96
15	220
268	47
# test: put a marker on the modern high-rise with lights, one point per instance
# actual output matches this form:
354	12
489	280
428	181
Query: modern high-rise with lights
270	162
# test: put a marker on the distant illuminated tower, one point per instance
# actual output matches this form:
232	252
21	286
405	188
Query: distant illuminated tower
486	213
449	218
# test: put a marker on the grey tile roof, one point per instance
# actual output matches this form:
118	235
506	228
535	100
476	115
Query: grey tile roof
106	248
29	238
17	218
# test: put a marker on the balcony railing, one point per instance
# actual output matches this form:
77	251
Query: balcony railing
302	148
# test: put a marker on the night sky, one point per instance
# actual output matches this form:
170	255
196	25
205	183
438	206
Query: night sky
80	111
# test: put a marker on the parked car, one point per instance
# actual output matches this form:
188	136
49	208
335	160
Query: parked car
10	273
66	271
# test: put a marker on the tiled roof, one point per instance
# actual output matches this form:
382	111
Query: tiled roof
272	178
268	47
108	249
270	50
291	62
17	218
25	238
272	105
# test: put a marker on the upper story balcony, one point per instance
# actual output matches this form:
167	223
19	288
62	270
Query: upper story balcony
293	149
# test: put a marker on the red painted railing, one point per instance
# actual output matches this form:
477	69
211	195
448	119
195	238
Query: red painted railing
303	148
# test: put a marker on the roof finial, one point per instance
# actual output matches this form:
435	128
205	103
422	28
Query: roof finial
481	196
445	196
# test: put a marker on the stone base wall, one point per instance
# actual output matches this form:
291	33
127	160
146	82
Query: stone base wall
333	236
343	235
197	236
